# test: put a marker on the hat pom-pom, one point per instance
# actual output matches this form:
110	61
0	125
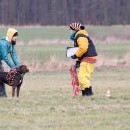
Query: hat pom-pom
82	27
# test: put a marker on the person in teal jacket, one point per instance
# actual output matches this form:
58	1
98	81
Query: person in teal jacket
7	47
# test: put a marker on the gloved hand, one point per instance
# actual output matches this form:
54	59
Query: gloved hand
77	64
74	57
13	69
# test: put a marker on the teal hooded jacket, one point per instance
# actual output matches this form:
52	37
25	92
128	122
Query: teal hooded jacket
5	49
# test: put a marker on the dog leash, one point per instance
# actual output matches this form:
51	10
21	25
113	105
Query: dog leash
74	82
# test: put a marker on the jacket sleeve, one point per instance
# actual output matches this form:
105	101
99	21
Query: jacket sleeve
4	53
83	46
14	56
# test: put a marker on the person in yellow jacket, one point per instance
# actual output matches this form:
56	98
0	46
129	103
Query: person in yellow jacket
86	56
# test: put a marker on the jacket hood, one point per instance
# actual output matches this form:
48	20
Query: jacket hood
10	33
82	32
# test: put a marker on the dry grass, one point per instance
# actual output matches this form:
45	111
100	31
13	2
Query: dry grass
114	62
56	64
46	103
106	40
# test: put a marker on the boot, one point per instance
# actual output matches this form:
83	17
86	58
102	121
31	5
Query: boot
87	92
3	95
83	93
90	90
2	91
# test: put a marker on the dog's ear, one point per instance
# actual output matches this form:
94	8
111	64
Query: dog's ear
17	69
20	69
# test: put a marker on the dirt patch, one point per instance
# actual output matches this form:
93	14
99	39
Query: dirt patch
119	63
102	40
55	64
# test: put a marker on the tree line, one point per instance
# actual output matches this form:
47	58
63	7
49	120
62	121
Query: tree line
63	12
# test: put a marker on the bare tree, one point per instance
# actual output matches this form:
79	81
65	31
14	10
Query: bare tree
62	12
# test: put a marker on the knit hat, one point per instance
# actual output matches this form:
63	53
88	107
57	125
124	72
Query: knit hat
76	26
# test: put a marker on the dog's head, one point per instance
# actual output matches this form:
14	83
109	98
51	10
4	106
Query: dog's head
22	69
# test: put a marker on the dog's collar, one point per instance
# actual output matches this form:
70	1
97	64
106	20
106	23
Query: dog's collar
21	75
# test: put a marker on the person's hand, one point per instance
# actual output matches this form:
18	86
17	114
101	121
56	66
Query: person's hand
74	57
77	64
13	69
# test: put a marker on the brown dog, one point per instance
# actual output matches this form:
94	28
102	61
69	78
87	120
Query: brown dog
14	78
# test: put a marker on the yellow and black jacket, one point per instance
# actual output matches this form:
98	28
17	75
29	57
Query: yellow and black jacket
86	51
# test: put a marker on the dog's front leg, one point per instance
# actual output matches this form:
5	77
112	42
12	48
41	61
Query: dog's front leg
18	89
13	91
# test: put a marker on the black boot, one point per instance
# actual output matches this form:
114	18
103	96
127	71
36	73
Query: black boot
91	91
83	93
87	91
3	95
2	91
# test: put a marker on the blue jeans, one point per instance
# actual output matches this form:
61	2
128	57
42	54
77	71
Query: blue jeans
2	85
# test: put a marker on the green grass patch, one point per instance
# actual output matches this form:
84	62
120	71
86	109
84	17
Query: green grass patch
113	50
46	103
31	33
44	52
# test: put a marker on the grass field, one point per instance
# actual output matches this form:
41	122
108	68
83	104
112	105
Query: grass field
31	33
44	52
46	101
